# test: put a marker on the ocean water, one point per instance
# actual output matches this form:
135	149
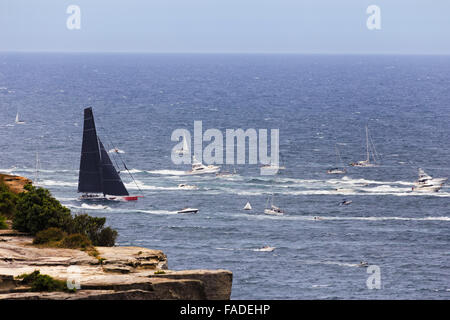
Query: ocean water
315	101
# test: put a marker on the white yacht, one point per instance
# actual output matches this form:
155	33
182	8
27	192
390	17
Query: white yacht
426	183
200	168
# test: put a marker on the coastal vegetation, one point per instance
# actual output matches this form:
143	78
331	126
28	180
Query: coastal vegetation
37	212
3	224
42	282
7	200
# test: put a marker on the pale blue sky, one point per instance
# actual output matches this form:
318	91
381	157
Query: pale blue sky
261	26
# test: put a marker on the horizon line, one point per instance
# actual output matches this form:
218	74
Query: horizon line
226	52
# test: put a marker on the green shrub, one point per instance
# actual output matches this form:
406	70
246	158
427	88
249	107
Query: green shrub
3	224
160	272
76	241
107	237
42	282
37	210
49	235
92	227
7	201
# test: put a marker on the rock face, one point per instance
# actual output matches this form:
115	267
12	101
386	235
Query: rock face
14	183
119	273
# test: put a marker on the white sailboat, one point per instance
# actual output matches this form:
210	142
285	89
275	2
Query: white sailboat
37	171
185	148
337	170
248	206
272	209
370	150
426	183
18	119
200	168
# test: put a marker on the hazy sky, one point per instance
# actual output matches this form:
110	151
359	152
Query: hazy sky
282	26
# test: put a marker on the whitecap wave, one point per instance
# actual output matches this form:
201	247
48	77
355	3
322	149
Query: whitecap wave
340	218
142	186
168	172
53	183
94	206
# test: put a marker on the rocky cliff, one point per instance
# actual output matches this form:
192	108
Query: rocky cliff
119	273
14	183
115	273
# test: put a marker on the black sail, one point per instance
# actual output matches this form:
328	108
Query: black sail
112	184
89	180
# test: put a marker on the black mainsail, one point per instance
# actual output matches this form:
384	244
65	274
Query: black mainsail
112	184
97	173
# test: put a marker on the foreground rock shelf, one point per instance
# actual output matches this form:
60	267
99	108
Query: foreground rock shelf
120	273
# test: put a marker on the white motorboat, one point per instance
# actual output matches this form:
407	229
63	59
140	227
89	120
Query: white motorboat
187	187
345	202
426	183
188	210
116	150
200	168
336	171
266	249
363	264
225	174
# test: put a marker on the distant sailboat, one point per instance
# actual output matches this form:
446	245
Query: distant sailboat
337	170
370	150
18	119
272	209
248	206
185	148
37	171
98	178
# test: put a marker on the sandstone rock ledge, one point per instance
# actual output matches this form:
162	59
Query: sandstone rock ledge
123	273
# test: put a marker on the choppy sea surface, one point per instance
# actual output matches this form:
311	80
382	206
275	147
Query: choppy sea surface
315	101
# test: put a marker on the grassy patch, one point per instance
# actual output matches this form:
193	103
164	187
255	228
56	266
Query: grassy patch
160	272
42	282
50	235
3	224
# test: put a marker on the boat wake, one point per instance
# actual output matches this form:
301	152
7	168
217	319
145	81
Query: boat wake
159	212
337	263
336	218
168	172
86	206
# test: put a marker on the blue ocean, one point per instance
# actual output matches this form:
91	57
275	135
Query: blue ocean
317	102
